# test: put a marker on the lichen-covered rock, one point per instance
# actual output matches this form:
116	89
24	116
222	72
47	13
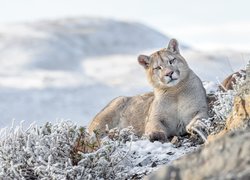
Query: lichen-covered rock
240	114
239	118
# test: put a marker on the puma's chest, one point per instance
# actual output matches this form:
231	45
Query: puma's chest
175	108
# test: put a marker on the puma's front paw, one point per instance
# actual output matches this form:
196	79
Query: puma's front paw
157	136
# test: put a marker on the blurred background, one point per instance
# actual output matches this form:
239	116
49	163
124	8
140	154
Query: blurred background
62	59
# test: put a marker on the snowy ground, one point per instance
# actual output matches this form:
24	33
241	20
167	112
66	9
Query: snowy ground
71	68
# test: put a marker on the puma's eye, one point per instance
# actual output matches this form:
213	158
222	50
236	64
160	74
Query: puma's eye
172	61
158	68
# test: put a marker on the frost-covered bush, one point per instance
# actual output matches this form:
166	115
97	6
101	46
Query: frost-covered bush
38	152
49	152
66	151
224	102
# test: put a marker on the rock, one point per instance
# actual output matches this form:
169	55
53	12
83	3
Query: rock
176	142
239	118
225	158
240	114
153	164
145	162
170	153
227	84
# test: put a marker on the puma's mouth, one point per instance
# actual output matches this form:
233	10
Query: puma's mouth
171	80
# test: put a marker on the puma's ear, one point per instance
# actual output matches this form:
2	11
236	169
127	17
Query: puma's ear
144	61
173	46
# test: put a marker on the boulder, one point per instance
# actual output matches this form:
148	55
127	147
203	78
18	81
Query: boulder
239	118
227	84
224	158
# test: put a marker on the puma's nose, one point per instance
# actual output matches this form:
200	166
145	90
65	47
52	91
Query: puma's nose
169	72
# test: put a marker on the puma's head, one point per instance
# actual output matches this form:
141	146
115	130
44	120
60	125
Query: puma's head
165	68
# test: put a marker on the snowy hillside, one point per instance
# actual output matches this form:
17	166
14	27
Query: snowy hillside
62	44
43	72
71	68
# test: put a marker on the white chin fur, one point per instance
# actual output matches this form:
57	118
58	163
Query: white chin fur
171	81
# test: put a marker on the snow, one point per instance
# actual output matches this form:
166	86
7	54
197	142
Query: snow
160	153
210	87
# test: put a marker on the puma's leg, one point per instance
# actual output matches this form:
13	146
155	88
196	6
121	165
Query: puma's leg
156	131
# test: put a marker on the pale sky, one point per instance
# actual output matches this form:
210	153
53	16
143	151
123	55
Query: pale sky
207	24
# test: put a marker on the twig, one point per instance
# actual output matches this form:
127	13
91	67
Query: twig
201	134
221	84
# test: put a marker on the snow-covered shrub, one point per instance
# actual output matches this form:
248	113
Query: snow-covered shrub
224	103
59	151
36	153
66	151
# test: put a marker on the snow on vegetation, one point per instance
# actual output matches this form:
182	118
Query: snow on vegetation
66	151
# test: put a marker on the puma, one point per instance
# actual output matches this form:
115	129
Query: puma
177	102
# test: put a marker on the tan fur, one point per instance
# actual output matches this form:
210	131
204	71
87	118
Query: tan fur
178	99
